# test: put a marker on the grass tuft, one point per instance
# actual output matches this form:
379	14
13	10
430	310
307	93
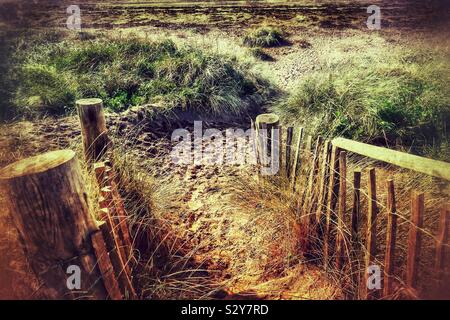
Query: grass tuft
264	36
389	95
133	71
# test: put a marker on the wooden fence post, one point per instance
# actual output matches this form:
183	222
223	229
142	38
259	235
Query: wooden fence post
297	158
441	242
356	208
323	179
105	265
265	124
46	198
309	198
115	230
414	238
93	128
340	236
276	153
333	190
371	236
389	257
289	136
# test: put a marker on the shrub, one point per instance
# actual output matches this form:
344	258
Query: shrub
264	37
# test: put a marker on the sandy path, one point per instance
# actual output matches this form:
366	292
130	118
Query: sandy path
216	209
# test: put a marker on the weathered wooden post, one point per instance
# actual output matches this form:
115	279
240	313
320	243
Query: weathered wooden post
333	191
311	194
340	236
441	242
356	207
289	137
389	258
268	141
371	235
356	215
297	157
93	128
323	179
414	238
47	201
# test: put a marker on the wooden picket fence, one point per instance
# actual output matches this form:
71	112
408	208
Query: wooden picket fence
318	175
112	243
47	200
58	234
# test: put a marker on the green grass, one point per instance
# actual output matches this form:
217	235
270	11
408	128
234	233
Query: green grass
384	94
264	36
51	75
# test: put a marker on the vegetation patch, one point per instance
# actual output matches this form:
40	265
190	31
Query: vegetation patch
389	95
51	75
264	37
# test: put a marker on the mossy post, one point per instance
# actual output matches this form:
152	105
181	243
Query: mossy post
93	128
46	198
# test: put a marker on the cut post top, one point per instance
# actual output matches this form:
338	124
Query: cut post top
267	118
36	164
88	102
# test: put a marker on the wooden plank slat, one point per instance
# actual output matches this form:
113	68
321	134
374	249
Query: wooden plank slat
105	266
114	227
389	257
340	236
356	207
323	179
442	240
277	142
435	168
276	149
304	173
355	218
297	158
311	194
122	276
289	136
308	153
100	170
121	216
414	238
371	235
333	190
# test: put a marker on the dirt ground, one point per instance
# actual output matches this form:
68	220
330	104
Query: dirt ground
231	15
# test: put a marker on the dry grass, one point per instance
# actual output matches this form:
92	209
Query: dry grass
436	194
